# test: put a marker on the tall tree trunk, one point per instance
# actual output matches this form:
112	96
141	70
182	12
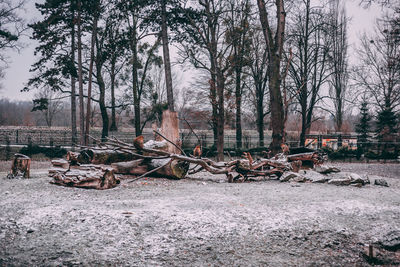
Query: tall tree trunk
277	111
238	98
213	98
103	109
80	78
94	36
275	48
339	114
167	61
260	116
113	126
213	67
135	89
303	90
221	115
73	84
303	127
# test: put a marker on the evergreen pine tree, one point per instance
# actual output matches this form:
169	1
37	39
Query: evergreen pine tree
364	124
386	124
363	128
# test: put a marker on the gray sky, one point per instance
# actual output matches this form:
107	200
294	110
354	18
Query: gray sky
18	72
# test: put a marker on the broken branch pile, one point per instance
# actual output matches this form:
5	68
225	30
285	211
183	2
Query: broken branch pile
88	168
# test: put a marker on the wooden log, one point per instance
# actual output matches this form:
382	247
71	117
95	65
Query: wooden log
21	166
301	156
103	156
308	159
62	163
127	167
87	177
175	169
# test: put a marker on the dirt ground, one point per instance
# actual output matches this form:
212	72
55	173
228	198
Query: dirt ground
199	221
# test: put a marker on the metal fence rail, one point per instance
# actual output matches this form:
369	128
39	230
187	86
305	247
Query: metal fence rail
63	137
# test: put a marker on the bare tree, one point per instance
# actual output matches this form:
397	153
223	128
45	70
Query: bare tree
274	46
73	76
308	68
96	14
80	75
115	66
12	26
259	75
49	103
205	46
338	60
238	36
134	14
378	72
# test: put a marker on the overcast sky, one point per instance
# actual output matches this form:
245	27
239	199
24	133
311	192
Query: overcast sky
18	72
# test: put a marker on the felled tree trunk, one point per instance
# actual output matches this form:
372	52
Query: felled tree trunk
308	159
102	156
155	167
21	166
85	176
127	167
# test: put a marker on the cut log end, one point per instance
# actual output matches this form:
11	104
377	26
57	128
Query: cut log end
21	166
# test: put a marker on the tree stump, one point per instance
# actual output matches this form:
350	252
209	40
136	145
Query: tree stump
21	166
170	129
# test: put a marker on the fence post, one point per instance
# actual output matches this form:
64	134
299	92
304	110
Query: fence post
16	137
8	148
339	141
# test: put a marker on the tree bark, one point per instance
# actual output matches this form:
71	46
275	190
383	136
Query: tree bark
260	116
73	84
113	126
238	98
102	104
167	61
102	156
171	169
170	129
94	36
275	48
80	77
126	167
221	115
88	177
135	89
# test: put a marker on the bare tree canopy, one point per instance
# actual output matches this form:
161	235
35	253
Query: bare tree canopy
12	26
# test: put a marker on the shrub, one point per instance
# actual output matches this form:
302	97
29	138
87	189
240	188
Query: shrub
50	152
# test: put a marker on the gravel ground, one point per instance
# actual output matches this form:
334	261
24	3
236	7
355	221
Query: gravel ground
200	221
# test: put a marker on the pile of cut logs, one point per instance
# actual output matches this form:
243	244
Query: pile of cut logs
97	167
